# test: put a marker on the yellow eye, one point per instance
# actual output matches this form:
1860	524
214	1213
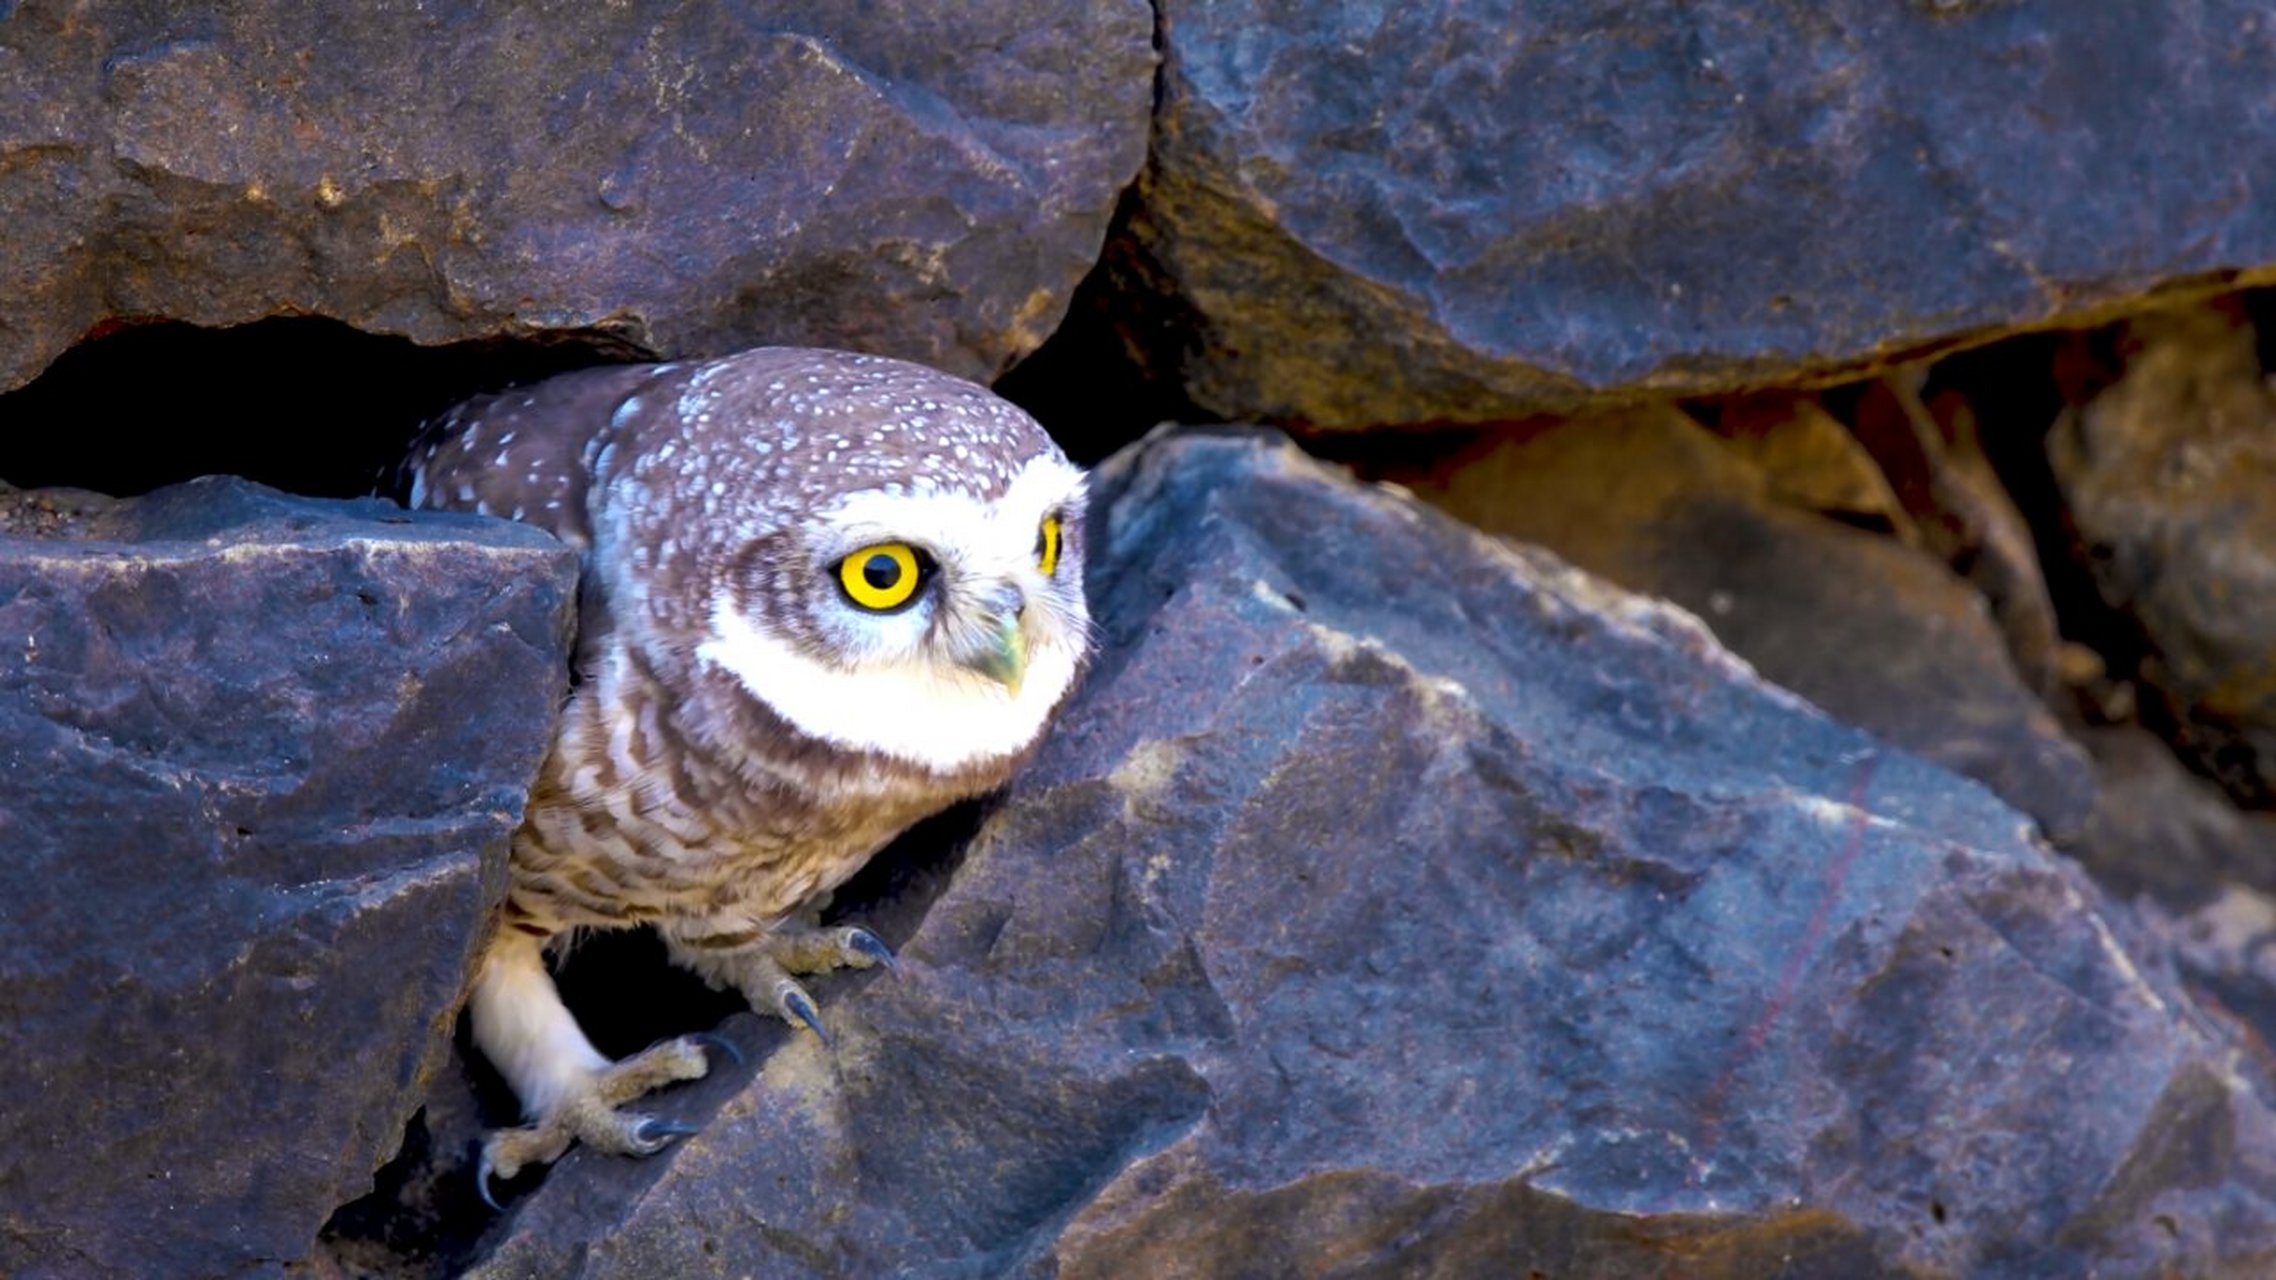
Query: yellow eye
1047	546
882	577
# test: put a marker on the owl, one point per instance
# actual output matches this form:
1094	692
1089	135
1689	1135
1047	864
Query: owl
824	595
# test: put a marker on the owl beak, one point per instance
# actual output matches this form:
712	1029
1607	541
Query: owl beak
1004	658
996	646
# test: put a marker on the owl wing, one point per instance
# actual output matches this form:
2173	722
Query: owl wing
525	454
530	454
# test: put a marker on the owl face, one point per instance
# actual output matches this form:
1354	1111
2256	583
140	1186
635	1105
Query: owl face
886	558
939	626
950	580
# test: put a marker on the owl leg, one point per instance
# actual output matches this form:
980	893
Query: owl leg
567	1088
761	966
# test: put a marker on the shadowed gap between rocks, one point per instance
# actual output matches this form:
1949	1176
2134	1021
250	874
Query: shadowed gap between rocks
1106	375
317	407
308	405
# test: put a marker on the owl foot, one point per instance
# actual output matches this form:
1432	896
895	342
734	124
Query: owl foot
803	949
589	1112
800	949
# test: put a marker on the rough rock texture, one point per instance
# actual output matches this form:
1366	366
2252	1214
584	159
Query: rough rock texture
261	757
1397	903
1464	211
694	178
2170	479
1879	634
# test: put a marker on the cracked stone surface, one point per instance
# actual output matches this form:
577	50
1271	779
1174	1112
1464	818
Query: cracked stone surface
262	755
1393	902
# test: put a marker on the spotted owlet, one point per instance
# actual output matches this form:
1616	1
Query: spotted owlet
825	595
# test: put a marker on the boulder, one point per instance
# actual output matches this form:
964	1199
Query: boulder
1472	211
2169	477
263	755
1394	901
927	181
1876	632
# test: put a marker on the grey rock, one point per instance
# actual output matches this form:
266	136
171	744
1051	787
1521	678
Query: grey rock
2165	832
2169	476
1393	902
2199	871
1878	633
259	758
1463	211
927	181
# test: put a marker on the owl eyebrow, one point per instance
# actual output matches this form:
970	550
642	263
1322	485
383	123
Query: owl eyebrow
1045	483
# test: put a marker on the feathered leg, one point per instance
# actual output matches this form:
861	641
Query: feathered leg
568	1090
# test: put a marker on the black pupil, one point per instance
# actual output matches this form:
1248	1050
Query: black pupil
881	571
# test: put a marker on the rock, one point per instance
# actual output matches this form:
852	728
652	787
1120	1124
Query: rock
2160	830
1878	634
1935	457
928	182
1394	901
1466	212
2225	950
2170	480
1809	460
262	758
2199	871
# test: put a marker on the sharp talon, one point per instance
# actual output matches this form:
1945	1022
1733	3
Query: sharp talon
720	1045
655	1130
797	1003
482	1181
861	941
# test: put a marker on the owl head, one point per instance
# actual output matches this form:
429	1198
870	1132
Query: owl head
886	558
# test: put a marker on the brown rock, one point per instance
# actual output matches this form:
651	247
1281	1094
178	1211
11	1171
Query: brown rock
2162	831
2170	478
1934	457
1809	460
926	181
1880	635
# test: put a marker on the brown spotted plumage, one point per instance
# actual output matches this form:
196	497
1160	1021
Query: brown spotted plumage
825	596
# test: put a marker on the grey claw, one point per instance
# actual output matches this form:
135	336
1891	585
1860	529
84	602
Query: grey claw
482	1181
654	1130
802	1008
862	942
720	1045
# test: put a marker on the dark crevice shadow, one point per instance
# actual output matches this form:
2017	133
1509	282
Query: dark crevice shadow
308	405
